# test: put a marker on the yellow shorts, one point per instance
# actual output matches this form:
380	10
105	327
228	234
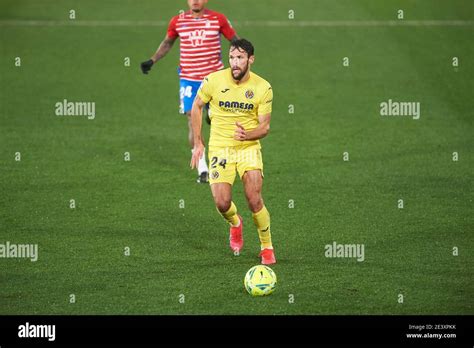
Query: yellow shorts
224	161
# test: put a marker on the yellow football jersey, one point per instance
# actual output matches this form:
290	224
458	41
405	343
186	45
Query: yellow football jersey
231	103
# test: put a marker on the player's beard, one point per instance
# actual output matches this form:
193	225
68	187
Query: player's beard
197	9
242	73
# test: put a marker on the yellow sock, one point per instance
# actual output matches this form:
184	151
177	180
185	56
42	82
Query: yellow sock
262	221
231	215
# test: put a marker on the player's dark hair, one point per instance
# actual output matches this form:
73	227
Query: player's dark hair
244	45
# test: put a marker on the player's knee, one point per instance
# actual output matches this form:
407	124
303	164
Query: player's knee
255	203
223	204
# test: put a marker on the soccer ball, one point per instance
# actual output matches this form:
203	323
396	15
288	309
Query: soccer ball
260	280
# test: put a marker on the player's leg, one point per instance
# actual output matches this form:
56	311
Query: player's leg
187	92
221	178
253	182
222	194
250	167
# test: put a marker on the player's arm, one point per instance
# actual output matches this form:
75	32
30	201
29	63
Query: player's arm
196	124
226	28
204	95
165	46
162	50
258	133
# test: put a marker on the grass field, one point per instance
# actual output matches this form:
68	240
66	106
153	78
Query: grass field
176	251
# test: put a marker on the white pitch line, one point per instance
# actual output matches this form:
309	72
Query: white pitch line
287	23
81	23
364	23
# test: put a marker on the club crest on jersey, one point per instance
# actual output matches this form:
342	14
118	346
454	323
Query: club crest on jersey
249	94
197	37
215	175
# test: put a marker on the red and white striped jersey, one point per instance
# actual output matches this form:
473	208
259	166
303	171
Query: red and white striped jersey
200	42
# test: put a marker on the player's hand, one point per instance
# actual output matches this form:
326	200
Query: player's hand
240	133
146	66
197	154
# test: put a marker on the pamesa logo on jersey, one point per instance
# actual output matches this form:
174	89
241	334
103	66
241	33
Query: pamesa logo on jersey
233	106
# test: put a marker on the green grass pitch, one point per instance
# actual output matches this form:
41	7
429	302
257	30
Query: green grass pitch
184	251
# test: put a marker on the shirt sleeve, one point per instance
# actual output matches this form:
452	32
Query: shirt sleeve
172	33
205	91
265	106
225	27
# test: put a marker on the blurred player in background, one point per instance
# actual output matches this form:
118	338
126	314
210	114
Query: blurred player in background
241	106
199	30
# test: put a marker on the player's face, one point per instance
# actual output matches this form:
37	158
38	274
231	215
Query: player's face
197	5
239	62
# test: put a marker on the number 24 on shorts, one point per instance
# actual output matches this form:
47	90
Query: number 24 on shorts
214	163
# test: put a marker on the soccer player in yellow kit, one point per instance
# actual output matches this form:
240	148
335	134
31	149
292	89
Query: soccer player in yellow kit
240	111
